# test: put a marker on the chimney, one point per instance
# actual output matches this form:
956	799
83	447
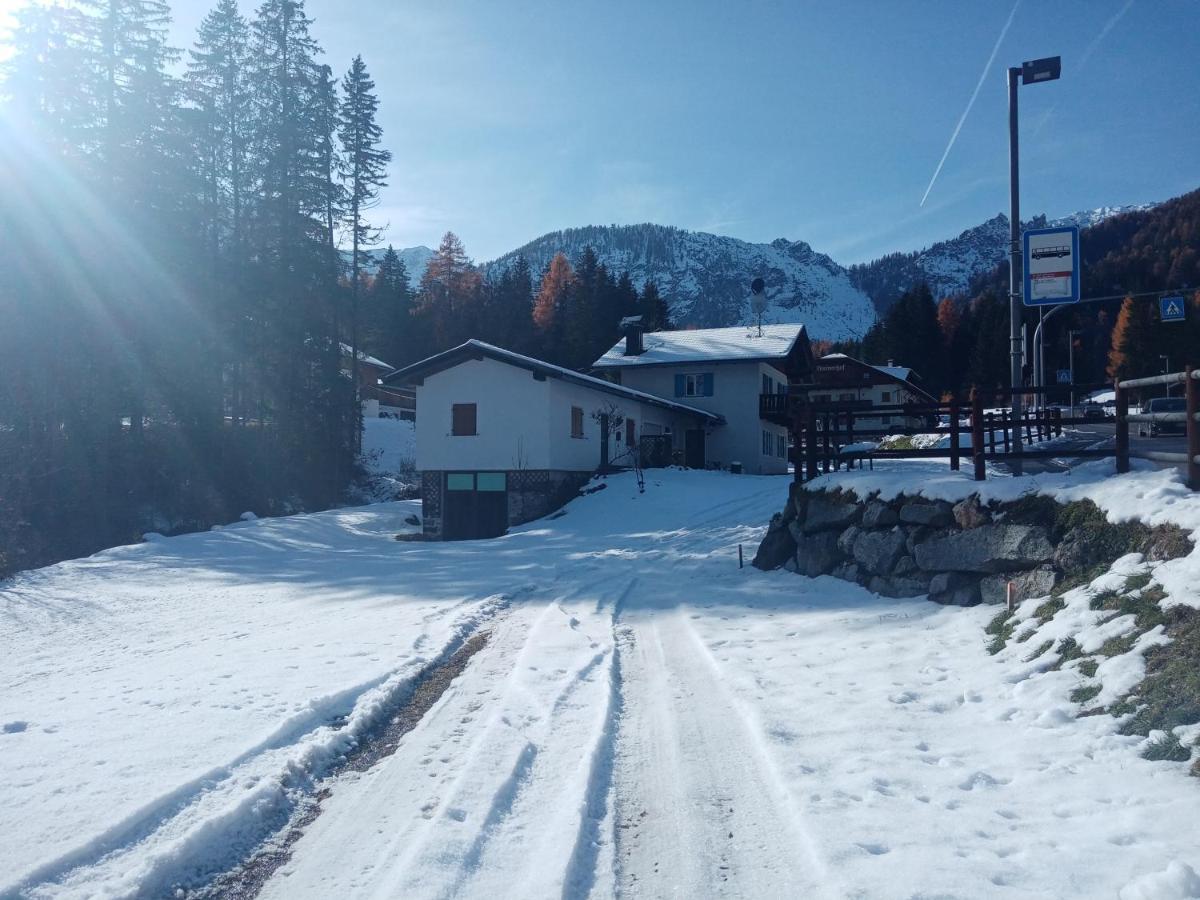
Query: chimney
632	328
891	363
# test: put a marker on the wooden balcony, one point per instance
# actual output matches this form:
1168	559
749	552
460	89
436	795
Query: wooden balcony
773	408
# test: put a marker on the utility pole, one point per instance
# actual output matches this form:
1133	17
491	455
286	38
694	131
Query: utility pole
1014	264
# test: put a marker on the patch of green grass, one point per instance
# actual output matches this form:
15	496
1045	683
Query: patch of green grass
1040	651
1144	607
1085	693
1170	693
1167	748
1049	609
1123	707
900	442
1137	582
1115	646
1088	667
1105	600
1001	627
1077	579
1067	651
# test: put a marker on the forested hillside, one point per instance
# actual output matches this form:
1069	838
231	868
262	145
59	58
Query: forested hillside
173	299
1131	258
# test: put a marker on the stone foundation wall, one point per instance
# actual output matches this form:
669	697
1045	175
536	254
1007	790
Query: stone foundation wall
962	553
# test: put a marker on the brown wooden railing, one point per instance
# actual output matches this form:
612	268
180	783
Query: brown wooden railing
824	435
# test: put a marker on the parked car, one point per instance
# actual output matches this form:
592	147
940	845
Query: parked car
1092	411
1162	405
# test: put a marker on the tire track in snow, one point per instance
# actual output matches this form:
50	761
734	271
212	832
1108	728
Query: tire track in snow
194	832
701	809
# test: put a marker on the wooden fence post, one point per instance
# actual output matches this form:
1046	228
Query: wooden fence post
954	448
1122	428
1192	392
810	444
977	434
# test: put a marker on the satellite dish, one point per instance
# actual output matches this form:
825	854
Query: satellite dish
758	300
758	296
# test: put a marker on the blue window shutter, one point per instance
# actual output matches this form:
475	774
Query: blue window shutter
708	384
679	385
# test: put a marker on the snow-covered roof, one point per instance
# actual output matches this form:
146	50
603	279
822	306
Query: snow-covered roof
740	343
900	372
472	348
363	357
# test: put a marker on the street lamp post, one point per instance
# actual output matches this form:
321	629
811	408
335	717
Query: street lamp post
1166	361
1047	69
1071	362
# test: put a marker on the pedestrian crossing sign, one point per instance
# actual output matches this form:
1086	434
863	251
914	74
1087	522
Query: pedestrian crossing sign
1171	309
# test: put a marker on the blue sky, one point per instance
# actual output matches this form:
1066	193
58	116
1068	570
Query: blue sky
819	121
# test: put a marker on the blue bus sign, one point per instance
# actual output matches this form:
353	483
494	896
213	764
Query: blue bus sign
1051	263
1172	309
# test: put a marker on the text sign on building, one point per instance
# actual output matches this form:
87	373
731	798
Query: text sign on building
1051	265
1172	309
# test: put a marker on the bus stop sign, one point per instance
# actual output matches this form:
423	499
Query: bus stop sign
1051	262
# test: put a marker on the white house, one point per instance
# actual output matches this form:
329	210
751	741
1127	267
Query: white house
504	438
739	373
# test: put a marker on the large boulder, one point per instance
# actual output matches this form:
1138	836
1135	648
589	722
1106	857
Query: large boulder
899	585
970	514
777	546
878	551
1035	583
817	554
1080	549
933	515
989	549
847	571
879	515
847	538
827	514
954	589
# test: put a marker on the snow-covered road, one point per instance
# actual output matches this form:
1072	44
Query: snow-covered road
645	720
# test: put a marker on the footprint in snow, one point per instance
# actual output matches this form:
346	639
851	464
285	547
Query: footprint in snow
874	849
15	727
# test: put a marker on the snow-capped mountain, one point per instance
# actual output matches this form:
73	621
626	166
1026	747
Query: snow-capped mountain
948	266
706	277
1089	217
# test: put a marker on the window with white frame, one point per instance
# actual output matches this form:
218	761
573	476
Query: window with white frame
767	443
781	446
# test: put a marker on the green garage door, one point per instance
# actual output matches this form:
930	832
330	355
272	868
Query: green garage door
476	505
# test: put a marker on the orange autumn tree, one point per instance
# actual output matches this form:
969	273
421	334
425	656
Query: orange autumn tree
550	298
949	317
1130	354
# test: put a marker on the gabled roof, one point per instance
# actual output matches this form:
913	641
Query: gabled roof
474	349
365	358
742	343
899	373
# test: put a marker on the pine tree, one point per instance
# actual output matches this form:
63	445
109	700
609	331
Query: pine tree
387	316
656	314
365	169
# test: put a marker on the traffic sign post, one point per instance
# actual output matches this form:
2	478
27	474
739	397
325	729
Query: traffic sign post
1051	265
1064	376
1172	309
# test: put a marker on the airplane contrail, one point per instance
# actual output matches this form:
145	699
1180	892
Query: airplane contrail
1108	26
982	75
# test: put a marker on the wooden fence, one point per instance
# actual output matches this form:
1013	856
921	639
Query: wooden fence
831	434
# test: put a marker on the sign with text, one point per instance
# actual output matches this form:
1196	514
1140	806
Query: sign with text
1172	309
1051	258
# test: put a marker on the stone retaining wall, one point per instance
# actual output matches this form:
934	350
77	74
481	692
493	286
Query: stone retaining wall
963	553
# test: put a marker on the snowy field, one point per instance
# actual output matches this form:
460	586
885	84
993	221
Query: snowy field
646	719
